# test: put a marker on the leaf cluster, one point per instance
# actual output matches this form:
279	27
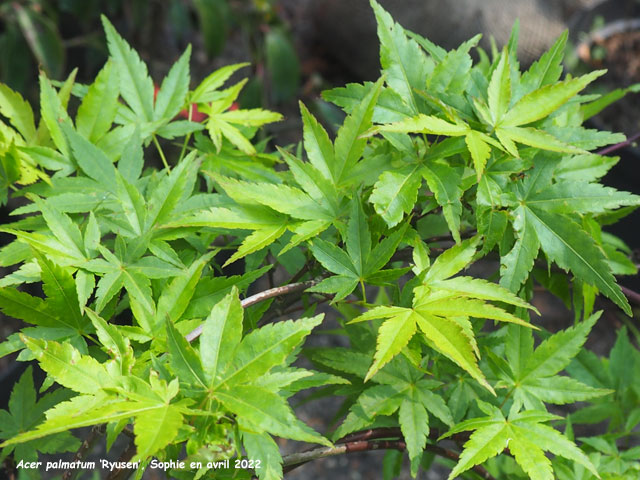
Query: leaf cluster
440	167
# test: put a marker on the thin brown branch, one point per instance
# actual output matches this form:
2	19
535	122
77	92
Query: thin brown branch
632	295
259	297
372	434
294	460
122	473
87	444
627	143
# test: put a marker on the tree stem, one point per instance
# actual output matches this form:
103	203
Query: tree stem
259	297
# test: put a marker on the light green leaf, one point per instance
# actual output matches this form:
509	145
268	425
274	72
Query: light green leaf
349	143
67	366
394	334
572	248
480	151
173	91
221	334
185	362
580	197
53	114
358	238
155	429
545	100
516	265
257	241
452	260
395	193
172	189
483	444
333	258
560	390
534	138
64	229
263	448
556	352
254	117
30	309
404	63
205	92
18	111
424	124
267	347
340	285
584	168
269	412
480	288
91	159
414	423
60	289
135	84
444	182
317	144
499	91
547	69
175	298
98	109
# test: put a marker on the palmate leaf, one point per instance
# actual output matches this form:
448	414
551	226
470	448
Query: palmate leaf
396	193
25	412
135	84
499	90
545	219
265	449
98	109
18	111
525	435
68	367
221	335
390	106
173	91
545	100
147	403
436	311
444	181
544	71
403	61
269	412
265	348
349	144
532	375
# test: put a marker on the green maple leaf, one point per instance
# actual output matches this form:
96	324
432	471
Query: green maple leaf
545	219
26	412
526	436
532	375
441	310
360	263
400	387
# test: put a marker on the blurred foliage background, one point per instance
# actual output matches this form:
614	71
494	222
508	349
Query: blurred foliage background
54	35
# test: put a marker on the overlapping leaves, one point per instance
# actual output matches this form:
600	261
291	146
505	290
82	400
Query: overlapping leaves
441	311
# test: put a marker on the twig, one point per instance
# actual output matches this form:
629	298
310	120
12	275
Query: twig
88	443
294	460
631	295
259	297
121	473
612	148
